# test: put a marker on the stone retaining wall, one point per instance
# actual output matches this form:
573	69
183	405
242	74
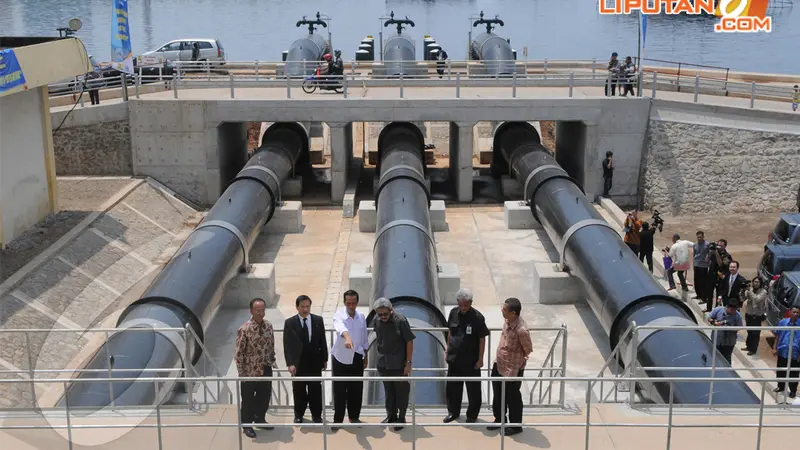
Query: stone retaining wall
692	168
102	148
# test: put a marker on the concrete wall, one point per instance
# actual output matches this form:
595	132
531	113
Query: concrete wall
722	159
26	189
93	140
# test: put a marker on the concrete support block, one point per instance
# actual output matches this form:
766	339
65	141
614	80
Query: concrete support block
368	216
483	148
553	287
510	187
518	216
316	150
449	282
361	281
288	218
257	282
461	148
341	136
292	188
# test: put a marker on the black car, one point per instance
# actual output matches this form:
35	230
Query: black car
777	259
786	231
783	295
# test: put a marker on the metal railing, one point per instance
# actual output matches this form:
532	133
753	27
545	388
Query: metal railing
628	346
553	365
456	75
68	414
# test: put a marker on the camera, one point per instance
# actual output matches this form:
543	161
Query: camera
712	246
658	222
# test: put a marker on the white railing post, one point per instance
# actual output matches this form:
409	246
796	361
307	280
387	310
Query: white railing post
123	86
458	84
137	83
594	68
231	78
449	68
353	68
653	87
696	86
571	82
288	87
401	84
257	71
545	68
174	84
344	85
514	84
753	94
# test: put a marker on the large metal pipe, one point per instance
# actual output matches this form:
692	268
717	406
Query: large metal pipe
618	288
404	266
306	52
494	51
399	52
189	289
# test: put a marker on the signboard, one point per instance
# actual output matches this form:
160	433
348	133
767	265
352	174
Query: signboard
121	53
11	74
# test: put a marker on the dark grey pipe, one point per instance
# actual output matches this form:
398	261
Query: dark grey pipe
404	255
304	55
618	288
189	289
399	53
494	51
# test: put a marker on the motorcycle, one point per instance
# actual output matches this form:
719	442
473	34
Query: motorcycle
315	81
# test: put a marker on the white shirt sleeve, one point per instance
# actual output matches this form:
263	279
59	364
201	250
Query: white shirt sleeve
338	323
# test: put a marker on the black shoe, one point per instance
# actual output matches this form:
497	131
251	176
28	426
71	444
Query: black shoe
449	418
472	419
334	429
749	353
778	389
249	432
792	394
744	349
266	427
317	419
494	427
398	428
298	420
355	421
389	420
512	431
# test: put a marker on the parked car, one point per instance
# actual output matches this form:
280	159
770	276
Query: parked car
778	259
181	50
786	231
783	295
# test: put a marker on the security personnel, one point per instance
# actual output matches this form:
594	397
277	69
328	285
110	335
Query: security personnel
466	341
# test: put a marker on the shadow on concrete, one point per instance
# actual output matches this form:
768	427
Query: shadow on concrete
283	435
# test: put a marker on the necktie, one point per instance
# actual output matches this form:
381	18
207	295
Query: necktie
730	284
305	330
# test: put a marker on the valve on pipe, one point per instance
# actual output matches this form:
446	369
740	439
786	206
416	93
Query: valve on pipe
404	268
188	291
618	288
494	51
399	52
305	53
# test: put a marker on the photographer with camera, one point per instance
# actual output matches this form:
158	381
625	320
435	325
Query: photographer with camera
726	316
755	312
719	261
632	228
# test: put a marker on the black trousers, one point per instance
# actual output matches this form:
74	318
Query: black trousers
647	254
255	399
612	85
307	394
94	96
347	395
634	248
455	391
681	278
782	363
607	182
701	283
513	398
396	394
627	86
753	336
726	351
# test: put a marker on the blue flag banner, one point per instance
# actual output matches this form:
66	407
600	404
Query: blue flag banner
11	74
644	29
121	53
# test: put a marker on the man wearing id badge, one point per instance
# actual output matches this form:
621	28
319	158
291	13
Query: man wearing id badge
466	341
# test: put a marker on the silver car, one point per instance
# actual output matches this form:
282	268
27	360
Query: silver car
181	50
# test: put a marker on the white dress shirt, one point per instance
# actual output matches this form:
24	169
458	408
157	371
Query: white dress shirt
357	328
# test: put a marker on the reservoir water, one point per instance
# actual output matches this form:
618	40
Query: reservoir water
555	29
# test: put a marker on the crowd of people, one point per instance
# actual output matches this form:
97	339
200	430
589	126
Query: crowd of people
724	292
306	355
621	76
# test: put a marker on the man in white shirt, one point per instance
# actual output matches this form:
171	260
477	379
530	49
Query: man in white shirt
679	252
349	359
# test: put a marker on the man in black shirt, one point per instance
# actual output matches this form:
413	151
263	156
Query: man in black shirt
608	172
466	341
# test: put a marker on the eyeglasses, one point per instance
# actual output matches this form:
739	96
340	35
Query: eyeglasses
383	315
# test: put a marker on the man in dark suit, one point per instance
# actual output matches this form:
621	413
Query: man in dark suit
305	347
732	284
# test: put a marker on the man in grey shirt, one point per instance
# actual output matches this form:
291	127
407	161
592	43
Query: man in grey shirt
701	278
726	316
395	346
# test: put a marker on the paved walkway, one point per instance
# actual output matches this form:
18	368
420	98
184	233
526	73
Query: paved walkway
562	430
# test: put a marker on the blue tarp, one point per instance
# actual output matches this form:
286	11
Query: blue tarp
11	74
